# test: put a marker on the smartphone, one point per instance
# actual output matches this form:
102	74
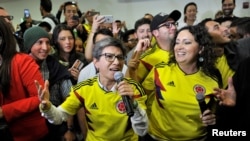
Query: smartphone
108	18
78	64
26	13
75	17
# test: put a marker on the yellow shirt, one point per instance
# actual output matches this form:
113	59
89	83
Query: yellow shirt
105	112
224	69
175	111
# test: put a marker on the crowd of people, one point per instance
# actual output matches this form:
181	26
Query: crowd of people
58	79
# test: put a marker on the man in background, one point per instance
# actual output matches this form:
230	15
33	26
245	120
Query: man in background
228	8
8	18
45	9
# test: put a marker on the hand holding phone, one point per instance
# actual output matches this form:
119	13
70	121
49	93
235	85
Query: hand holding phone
108	18
26	13
78	64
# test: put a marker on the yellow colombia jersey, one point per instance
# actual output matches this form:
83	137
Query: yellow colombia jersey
175	111
224	69
150	58
147	61
87	27
105	112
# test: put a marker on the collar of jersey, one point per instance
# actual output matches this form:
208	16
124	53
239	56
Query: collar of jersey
113	89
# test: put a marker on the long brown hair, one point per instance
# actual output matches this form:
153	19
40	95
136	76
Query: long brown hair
7	51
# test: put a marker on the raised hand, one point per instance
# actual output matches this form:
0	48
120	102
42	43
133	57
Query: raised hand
43	94
227	97
143	45
97	20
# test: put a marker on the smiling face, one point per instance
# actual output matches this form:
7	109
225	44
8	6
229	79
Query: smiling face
186	49
191	12
107	68
228	7
218	33
66	41
41	49
166	31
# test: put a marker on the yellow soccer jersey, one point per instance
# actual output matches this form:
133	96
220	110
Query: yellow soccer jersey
87	27
224	69
105	112
149	59
175	111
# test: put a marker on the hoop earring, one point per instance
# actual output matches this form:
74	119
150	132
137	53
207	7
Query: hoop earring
201	59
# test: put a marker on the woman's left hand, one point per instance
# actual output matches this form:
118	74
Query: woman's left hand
74	72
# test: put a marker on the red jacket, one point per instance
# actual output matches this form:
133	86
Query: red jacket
21	107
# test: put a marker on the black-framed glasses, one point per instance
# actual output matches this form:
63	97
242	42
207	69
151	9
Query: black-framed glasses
111	57
169	24
8	17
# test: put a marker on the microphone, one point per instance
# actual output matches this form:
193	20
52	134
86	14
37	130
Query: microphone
201	100
118	76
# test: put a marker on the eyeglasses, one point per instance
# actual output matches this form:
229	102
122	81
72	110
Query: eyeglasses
169	24
8	17
111	57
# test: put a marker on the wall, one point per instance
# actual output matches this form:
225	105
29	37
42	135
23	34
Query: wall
128	10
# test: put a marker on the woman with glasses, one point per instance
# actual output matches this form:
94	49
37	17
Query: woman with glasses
183	104
101	97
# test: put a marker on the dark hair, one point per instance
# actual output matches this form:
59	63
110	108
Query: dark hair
46	4
204	21
102	44
185	9
202	37
68	3
55	35
223	19
118	21
103	31
242	26
240	21
140	22
7	51
46	25
126	35
148	14
222	1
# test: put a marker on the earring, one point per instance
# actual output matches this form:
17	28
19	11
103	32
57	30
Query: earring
201	59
